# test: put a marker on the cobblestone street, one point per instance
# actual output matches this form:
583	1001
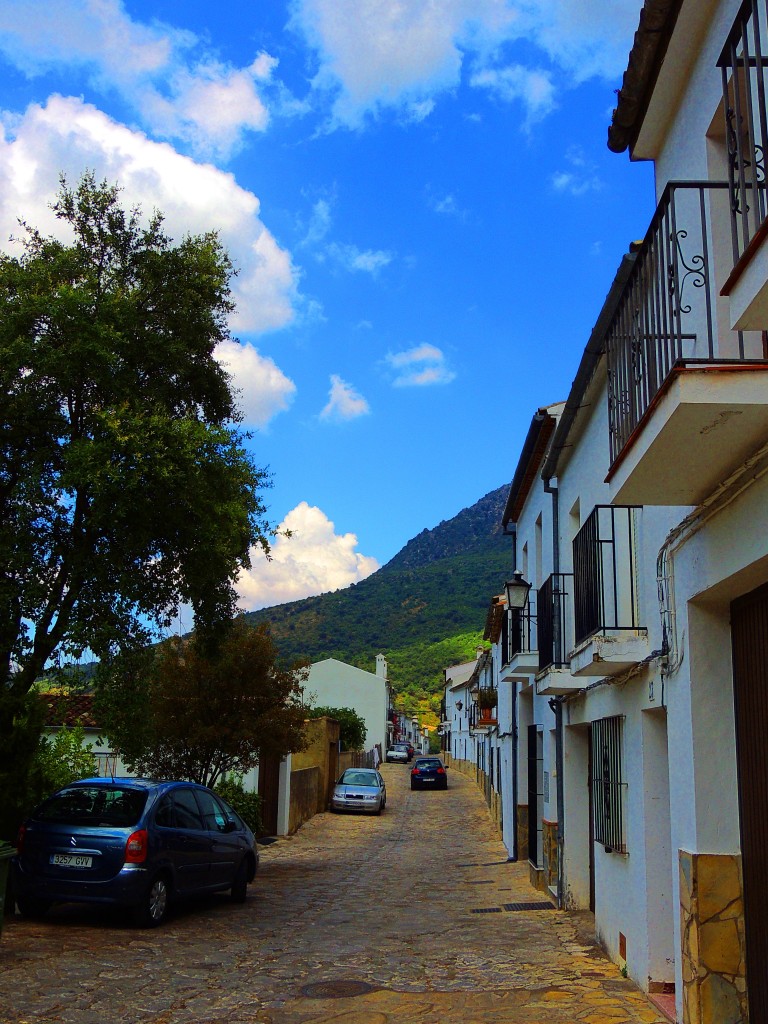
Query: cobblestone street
357	920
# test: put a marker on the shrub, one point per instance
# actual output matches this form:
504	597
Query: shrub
247	804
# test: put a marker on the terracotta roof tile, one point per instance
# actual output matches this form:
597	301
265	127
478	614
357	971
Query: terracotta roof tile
68	709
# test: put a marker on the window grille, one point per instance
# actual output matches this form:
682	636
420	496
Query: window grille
608	787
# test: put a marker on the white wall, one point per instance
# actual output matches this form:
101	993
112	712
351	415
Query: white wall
333	683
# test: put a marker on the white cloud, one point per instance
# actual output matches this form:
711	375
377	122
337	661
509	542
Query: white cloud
319	223
447	205
515	82
581	179
375	54
69	135
349	257
344	403
178	89
421	366
264	390
313	560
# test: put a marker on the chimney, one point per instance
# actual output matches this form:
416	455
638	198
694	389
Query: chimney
381	666
480	653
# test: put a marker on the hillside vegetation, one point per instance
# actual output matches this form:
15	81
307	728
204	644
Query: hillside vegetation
425	609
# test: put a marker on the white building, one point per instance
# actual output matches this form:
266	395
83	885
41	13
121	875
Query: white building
639	671
333	683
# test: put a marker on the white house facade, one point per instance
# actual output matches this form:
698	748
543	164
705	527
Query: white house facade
333	683
637	673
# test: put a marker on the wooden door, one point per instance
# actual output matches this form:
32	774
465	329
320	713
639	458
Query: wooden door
749	632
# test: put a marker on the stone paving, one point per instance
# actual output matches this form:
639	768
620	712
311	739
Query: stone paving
355	920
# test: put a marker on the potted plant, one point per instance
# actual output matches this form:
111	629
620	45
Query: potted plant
487	698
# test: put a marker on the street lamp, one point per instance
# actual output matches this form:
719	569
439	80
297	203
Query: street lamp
517	591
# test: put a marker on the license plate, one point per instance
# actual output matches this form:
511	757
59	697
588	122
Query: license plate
427	780
71	860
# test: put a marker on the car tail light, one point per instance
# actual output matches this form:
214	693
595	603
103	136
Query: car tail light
20	838
136	847
415	771
441	771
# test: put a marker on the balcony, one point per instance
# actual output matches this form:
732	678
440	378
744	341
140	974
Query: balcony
744	71
674	385
523	654
609	637
555	633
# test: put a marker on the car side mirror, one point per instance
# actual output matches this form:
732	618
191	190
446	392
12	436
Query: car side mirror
229	825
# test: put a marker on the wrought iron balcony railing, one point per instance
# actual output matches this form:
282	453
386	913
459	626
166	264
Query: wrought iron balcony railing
522	631
555	627
744	69
665	313
605	572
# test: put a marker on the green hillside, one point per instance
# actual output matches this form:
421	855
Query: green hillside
423	610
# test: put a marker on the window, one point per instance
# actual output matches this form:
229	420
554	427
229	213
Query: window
187	812
608	787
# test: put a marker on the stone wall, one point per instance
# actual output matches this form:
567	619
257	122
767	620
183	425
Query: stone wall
522	831
549	851
712	938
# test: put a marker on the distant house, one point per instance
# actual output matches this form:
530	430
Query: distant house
335	684
66	710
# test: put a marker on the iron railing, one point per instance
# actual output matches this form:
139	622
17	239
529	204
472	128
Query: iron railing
605	572
554	621
608	786
522	631
744	69
665	313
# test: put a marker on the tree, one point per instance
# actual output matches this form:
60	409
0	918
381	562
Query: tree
125	487
352	732
183	711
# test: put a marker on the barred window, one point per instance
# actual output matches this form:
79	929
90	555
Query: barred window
608	787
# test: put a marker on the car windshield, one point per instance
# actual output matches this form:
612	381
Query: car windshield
356	778
94	805
401	746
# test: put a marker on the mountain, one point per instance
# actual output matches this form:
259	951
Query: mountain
423	610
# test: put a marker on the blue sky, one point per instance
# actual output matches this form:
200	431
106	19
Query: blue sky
419	200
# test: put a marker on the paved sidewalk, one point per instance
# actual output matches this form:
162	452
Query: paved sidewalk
355	920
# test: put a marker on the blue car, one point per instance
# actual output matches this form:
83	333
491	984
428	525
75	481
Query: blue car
133	843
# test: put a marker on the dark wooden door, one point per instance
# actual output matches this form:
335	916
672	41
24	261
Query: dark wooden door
749	631
269	789
591	824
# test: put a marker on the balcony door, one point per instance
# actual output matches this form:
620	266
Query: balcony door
749	631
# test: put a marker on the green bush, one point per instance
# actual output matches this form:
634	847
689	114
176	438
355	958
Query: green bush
59	761
247	805
352	729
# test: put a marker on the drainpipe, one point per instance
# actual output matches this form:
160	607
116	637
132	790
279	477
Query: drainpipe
556	703
513	727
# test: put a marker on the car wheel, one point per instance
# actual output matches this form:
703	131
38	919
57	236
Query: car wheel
153	908
32	908
239	890
413	786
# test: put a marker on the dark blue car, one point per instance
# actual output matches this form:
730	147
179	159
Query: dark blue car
132	843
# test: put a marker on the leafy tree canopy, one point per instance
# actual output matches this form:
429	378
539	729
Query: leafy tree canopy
183	711
352	732
125	488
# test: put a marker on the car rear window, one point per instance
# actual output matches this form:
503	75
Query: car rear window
428	764
94	805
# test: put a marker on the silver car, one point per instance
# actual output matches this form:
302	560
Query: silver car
360	789
398	752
